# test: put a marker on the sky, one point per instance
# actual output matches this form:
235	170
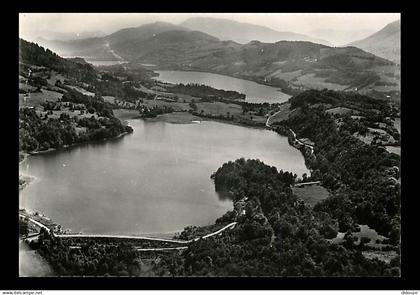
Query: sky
35	23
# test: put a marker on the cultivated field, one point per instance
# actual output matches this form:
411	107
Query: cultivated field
311	194
341	111
310	81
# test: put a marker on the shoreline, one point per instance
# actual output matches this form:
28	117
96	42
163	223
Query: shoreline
280	89
164	118
159	118
28	179
64	147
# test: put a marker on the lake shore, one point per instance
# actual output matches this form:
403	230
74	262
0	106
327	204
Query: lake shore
126	114
175	118
70	146
253	93
287	91
25	180
188	118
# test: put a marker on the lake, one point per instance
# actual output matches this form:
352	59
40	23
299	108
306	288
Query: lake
256	93
155	180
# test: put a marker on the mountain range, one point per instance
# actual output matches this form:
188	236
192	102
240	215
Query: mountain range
295	64
385	43
340	37
243	33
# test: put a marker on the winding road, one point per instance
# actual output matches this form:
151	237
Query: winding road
267	124
268	119
307	145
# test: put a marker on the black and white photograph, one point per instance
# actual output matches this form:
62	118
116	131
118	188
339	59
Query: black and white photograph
209	144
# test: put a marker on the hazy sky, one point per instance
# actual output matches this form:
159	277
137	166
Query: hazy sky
110	22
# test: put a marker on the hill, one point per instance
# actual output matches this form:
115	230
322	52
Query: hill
225	29
60	102
385	43
291	65
33	54
340	37
167	46
100	48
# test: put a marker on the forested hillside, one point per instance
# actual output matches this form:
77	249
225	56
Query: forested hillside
364	178
52	113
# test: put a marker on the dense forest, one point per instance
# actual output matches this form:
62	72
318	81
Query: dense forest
203	91
364	178
92	259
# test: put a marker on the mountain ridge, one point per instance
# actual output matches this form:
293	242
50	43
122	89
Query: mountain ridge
242	32
297	64
385	43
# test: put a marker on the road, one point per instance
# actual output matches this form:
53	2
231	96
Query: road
294	134
35	222
160	249
307	183
307	145
229	226
268	119
121	237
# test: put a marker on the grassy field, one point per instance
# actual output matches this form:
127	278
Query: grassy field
311	194
282	114
286	76
219	108
110	99
27	87
310	81
375	239
124	114
177	106
383	256
397	124
76	113
394	149
34	99
176	118
55	77
81	90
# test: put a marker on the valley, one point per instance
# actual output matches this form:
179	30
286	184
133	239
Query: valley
166	151
293	66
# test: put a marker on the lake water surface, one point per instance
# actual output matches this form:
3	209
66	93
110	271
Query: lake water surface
154	180
256	93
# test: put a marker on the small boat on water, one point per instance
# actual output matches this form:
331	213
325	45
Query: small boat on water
196	122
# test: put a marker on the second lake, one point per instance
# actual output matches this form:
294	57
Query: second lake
255	93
